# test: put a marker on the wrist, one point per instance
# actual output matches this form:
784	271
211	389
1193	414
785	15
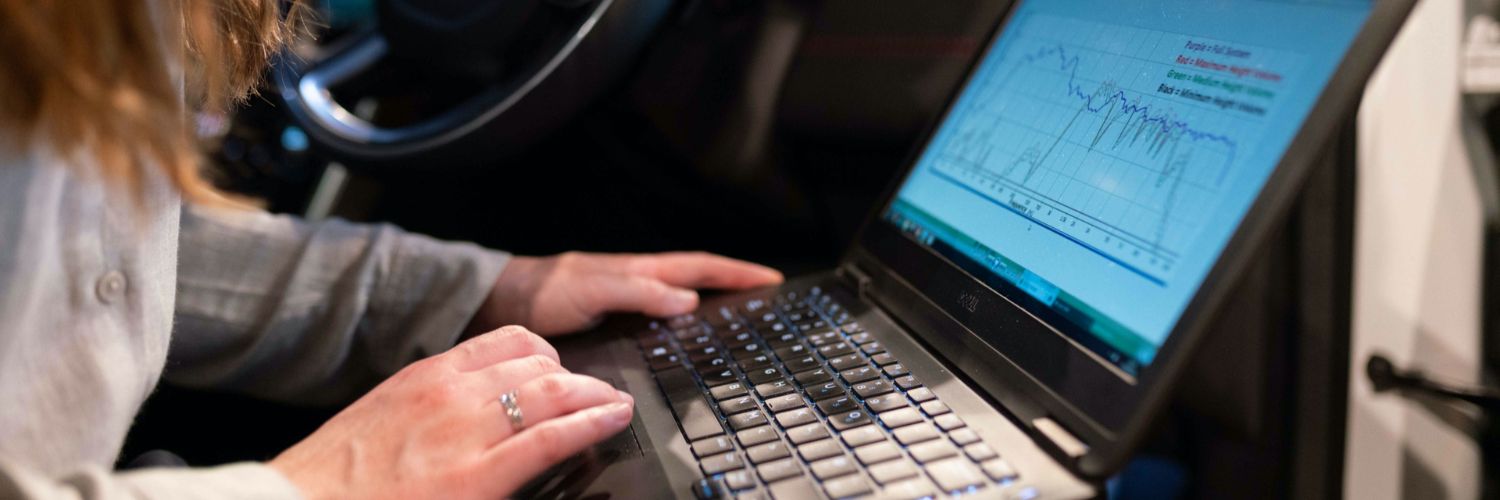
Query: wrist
510	299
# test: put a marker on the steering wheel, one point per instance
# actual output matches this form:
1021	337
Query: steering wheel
491	77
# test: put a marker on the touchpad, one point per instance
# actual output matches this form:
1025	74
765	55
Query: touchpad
593	474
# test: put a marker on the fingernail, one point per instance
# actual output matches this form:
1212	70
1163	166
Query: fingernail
616	415
626	397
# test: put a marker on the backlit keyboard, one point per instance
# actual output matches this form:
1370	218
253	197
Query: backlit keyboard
788	397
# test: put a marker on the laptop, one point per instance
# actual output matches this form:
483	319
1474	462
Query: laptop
1016	309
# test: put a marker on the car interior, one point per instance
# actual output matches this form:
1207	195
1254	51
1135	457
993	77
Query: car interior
762	130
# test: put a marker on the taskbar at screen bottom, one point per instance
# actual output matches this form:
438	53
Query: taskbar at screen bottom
1087	326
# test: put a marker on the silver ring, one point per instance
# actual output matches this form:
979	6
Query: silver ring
513	410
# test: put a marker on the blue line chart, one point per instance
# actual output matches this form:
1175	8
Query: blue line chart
1123	172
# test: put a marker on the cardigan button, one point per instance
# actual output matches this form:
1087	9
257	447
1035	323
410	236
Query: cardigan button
110	287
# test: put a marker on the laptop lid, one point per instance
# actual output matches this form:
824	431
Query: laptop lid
1097	182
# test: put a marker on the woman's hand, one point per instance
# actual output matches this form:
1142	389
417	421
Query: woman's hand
437	429
570	292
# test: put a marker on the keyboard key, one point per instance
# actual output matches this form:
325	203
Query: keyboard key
715	363
907	382
964	437
921	395
908	490
767	452
721	463
763	375
801	364
651	339
872	388
831	350
785	402
816	324
825	391
948	422
778	470
852	328
883	359
746	351
900	418
836	406
861	338
781	339
693	413
726	391
895	370
887	402
747	420
862	436
807	433
860	374
679	386
740	480
697	355
758	435
847	487
708	489
659	351
794	489
794	350
954	475
697	343
833	467
847	361
719	377
931	451
756	362
877	453
890	472
737	405
818	450
737	340
823	337
979	452
773	389
872	348
913	434
814	377
999	470
659	363
850	420
712	446
796	417
934	408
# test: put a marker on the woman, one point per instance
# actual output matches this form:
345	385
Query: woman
119	266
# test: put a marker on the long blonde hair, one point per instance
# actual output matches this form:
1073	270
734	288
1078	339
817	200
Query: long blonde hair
97	76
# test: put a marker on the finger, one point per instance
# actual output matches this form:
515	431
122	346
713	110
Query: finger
633	293
705	270
505	344
551	396
544	445
507	375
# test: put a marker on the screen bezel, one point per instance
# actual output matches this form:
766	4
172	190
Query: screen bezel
1003	344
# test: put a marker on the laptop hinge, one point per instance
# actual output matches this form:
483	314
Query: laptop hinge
855	277
1059	439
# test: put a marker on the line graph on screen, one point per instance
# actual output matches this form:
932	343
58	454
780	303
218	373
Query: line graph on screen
1120	146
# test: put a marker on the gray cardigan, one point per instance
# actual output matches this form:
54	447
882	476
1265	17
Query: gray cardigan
99	300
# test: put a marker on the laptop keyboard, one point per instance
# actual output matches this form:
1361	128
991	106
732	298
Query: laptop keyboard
788	397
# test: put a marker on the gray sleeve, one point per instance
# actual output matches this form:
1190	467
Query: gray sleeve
247	480
315	312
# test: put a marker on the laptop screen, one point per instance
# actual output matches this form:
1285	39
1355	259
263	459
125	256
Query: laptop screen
1102	153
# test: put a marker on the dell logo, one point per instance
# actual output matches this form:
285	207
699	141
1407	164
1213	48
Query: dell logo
968	301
